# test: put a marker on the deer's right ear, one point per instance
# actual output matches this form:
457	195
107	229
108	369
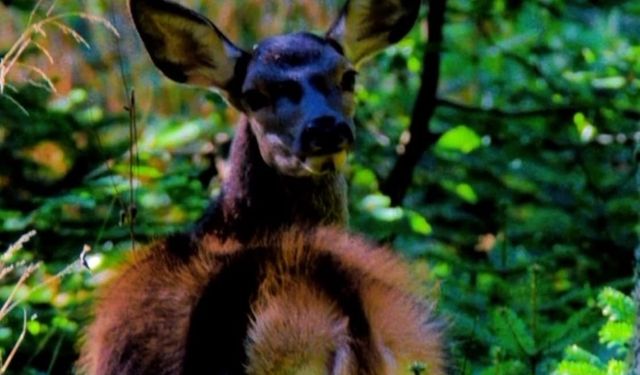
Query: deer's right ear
366	26
186	46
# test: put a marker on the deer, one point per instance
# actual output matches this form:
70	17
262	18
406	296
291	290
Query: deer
269	281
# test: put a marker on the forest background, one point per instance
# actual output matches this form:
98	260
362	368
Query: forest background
497	150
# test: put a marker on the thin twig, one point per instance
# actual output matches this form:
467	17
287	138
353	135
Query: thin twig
131	209
6	363
10	304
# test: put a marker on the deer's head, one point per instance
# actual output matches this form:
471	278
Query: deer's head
296	89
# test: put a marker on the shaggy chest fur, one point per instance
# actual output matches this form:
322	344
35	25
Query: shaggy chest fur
296	301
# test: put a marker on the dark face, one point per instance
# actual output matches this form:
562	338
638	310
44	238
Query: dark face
298	94
297	89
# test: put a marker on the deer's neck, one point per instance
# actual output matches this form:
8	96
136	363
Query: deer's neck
255	198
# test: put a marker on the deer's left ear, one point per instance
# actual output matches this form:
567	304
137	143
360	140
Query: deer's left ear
366	26
186	46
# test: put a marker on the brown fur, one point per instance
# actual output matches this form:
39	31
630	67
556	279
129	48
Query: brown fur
299	322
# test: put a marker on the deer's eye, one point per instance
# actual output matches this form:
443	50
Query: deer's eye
256	100
348	82
286	89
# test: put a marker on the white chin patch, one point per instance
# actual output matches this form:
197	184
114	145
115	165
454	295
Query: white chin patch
278	156
310	166
325	163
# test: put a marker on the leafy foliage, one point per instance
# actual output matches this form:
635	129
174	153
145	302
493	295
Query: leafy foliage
616	334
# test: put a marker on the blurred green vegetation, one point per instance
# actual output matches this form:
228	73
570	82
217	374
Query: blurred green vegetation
523	214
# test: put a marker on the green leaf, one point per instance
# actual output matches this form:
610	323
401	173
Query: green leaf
5	333
419	223
142	171
63	323
574	353
66	103
378	206
388	214
414	64
511	367
34	327
466	192
40	295
177	135
617	306
91	115
609	83
374	201
585	129
576	329
616	333
616	367
588	55
577	368
461	138
364	177
513	333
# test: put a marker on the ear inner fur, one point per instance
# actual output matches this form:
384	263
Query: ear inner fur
365	27
186	46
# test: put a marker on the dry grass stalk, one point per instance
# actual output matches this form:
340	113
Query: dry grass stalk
33	30
9	304
26	270
5	364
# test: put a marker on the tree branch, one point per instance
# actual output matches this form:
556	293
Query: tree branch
399	180
567	111
545	112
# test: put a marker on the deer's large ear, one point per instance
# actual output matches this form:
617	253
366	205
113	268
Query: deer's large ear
186	46
367	26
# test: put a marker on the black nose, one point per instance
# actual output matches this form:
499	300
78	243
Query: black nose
326	135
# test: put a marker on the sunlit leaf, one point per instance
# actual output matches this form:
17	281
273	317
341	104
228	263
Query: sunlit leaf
616	333
609	83
364	177
388	214
617	305
461	138
177	135
574	353
466	192
578	368
617	367
375	201
419	223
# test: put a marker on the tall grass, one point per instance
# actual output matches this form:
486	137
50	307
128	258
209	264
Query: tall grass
7	267
10	265
40	20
